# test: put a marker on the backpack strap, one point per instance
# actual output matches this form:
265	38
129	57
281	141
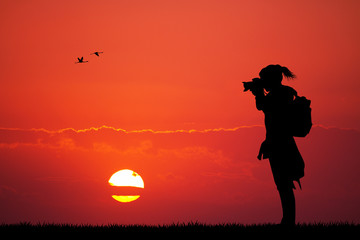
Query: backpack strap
298	181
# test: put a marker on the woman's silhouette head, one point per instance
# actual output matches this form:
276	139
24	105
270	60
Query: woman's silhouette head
273	75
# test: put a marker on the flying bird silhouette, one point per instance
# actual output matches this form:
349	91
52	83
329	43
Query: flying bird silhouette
96	53
81	60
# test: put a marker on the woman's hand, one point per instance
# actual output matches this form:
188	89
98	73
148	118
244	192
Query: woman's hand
257	91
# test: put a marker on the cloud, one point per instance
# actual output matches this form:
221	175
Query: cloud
121	130
61	137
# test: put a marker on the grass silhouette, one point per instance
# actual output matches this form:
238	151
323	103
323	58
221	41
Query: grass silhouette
258	230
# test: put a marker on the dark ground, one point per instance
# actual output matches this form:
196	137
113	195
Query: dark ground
333	230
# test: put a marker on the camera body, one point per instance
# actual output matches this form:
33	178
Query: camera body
254	85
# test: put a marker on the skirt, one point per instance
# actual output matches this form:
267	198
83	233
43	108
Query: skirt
286	162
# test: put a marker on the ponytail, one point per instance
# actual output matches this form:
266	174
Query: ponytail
287	73
276	72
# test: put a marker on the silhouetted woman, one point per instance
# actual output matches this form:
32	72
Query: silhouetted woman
279	146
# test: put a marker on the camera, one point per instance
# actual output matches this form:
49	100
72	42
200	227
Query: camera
255	84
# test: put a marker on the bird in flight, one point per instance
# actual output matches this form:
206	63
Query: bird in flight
96	53
81	60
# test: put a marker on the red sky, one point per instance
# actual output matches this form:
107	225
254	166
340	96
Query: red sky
167	66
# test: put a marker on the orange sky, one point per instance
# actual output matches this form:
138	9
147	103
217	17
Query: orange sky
169	65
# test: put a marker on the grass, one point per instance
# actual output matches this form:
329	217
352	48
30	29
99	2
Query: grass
259	230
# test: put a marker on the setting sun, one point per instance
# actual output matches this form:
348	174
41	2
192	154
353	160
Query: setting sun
126	178
125	198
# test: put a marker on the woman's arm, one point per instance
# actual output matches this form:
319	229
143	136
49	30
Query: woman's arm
259	98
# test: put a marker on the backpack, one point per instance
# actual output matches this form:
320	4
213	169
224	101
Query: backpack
300	117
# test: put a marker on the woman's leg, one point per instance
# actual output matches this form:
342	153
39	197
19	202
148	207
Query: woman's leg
288	205
285	187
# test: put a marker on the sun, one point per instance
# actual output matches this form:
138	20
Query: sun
126	178
125	199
